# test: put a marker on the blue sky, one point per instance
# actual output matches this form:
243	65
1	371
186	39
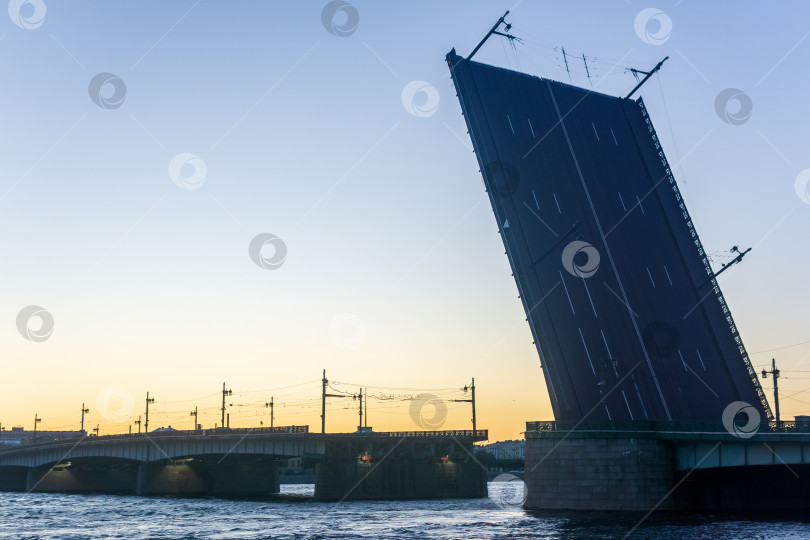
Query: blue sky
395	274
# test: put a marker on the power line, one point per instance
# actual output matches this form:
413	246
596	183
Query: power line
784	347
396	387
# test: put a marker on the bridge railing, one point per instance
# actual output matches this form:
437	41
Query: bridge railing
159	434
213	431
478	434
705	427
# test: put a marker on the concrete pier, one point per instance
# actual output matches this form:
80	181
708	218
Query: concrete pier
399	468
13	478
596	473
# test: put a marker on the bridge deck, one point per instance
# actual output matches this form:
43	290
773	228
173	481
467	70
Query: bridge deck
697	445
280	442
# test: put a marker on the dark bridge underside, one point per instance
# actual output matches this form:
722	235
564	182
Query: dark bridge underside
772	487
242	474
613	278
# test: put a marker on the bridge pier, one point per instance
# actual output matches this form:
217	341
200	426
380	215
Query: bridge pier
231	476
596	473
13	478
407	468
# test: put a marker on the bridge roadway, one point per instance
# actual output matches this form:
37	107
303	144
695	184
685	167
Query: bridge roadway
641	465
381	465
280	442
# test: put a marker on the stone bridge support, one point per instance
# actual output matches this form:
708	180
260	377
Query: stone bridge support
406	468
13	478
597	473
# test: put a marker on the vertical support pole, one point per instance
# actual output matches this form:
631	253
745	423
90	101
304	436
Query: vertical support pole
84	410
776	392
365	418
473	406
775	372
225	393
37	420
272	407
146	417
360	424
323	402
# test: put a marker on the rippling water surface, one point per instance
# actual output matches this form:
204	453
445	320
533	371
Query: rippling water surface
295	516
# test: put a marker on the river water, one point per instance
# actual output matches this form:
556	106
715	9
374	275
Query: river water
293	515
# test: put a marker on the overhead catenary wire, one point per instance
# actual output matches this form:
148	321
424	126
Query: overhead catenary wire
403	388
782	348
244	405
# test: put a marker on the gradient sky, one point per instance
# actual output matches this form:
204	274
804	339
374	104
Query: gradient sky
395	275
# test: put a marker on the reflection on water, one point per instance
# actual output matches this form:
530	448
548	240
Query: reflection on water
294	515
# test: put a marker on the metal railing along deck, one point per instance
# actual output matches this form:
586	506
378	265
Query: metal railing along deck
696	427
476	435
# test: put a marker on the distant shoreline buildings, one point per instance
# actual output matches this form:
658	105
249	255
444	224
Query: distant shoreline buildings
513	449
18	435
